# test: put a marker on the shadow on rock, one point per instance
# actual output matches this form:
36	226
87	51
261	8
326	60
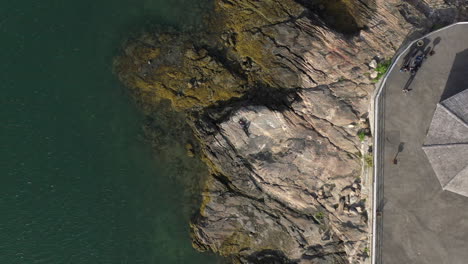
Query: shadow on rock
276	99
268	256
340	15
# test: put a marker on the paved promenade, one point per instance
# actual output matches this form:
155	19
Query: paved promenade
416	221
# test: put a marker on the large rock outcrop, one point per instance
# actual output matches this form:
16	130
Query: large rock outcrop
275	92
286	178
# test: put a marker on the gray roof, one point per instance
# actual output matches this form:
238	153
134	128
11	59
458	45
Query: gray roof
446	144
458	104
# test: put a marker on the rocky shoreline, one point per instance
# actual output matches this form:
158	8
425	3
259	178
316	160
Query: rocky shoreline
276	92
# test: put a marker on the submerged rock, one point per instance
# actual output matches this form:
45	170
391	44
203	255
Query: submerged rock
274	92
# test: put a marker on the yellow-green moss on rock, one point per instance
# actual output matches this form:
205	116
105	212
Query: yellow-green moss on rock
195	70
169	66
234	244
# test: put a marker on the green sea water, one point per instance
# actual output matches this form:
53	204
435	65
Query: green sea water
79	183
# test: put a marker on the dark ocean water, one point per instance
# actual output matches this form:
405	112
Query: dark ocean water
78	183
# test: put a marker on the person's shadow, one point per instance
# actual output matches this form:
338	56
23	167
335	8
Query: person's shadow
401	147
435	43
408	83
414	50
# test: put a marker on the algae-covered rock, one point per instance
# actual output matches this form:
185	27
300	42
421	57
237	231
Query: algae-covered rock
273	91
170	65
246	44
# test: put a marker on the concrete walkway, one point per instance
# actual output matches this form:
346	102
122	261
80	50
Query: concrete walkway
415	221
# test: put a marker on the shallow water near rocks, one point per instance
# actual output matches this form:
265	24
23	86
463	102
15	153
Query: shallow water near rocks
79	183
